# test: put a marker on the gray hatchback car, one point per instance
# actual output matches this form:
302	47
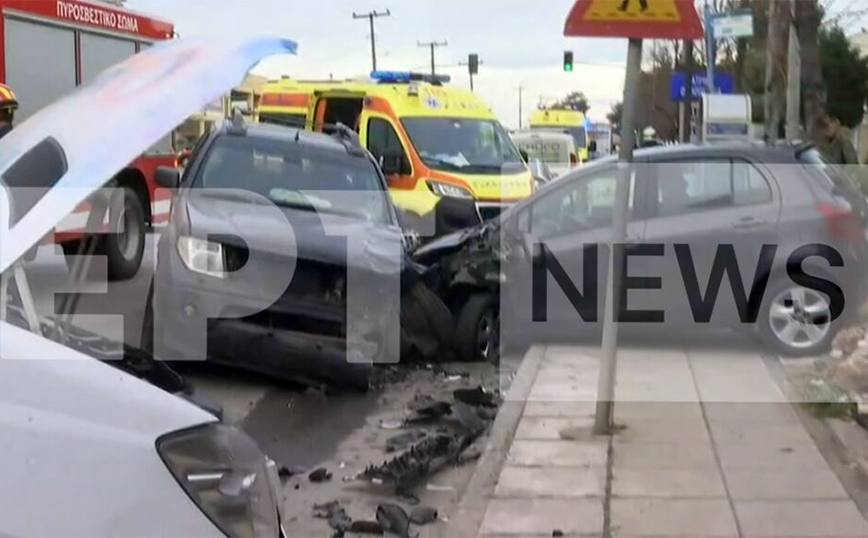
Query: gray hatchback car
770	240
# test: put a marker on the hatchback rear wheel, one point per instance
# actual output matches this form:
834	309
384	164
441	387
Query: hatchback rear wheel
797	321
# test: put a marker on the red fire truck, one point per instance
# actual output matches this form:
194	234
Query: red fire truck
47	49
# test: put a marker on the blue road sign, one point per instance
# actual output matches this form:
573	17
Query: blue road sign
723	83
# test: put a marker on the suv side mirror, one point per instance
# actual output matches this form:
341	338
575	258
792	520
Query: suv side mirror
394	163
167	177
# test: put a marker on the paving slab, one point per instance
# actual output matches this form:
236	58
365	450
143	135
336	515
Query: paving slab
668	483
562	392
779	413
560	409
663	456
770	454
656	410
803	519
783	484
559	453
688	518
551	482
664	431
540	517
752	433
550	427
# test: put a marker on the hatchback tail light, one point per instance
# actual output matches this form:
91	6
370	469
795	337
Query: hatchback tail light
842	222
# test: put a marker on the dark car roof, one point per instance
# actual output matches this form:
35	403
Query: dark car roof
288	134
756	151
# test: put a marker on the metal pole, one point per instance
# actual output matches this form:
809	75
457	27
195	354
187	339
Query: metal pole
471	82
433	45
519	107
711	43
794	80
771	48
373	43
433	68
608	364
371	15
688	92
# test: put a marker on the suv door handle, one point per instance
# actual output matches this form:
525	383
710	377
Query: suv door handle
748	222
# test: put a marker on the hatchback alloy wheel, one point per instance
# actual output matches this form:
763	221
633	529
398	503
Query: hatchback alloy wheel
800	318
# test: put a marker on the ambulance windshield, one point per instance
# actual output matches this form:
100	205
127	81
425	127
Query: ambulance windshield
466	145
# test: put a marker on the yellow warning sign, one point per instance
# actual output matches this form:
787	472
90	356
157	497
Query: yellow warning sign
633	11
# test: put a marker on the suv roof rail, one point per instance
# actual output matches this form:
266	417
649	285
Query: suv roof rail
347	136
238	125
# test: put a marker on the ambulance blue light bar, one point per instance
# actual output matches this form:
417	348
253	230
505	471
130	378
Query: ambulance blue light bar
393	77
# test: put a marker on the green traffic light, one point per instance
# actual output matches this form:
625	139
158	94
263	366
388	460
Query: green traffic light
568	67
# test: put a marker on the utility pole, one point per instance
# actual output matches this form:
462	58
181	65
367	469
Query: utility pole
711	45
371	15
433	45
687	102
771	54
520	90
794	79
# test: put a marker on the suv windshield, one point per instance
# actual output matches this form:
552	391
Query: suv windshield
467	145
297	176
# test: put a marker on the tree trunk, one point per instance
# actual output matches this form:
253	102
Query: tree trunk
808	18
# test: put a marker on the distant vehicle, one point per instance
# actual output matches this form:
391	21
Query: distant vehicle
110	453
728	204
571	122
556	150
54	47
433	141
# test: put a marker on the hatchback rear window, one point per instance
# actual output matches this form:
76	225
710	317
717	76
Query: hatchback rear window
831	178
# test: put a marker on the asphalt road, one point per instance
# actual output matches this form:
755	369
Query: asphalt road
299	428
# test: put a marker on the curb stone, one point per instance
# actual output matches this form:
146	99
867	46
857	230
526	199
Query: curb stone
827	439
467	520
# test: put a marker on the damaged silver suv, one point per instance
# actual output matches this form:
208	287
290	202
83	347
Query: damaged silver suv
283	255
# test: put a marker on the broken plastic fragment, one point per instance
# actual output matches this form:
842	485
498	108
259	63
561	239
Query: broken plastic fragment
320	475
394	424
423	515
392	518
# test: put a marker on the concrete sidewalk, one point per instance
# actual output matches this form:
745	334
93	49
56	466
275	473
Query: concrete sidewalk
710	448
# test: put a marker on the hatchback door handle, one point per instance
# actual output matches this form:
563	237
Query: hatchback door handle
748	222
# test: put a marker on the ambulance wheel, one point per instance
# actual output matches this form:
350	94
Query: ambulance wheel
124	245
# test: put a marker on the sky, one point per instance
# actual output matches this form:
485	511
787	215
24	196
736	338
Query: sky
520	43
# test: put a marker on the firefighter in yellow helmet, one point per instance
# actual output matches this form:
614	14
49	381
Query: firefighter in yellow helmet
8	106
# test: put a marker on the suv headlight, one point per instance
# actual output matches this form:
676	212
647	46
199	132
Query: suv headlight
227	476
202	256
447	189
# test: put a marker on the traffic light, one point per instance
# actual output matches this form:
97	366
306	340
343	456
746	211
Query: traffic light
473	64
568	61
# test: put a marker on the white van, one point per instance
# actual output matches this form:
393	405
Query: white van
88	449
556	150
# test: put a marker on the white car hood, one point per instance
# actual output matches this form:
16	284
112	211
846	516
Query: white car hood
103	126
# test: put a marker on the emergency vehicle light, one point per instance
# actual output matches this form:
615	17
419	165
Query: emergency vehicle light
391	76
406	77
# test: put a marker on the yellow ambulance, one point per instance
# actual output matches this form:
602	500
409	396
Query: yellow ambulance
571	122
432	140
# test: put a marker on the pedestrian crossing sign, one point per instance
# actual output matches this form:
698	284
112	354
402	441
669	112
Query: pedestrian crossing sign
652	19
